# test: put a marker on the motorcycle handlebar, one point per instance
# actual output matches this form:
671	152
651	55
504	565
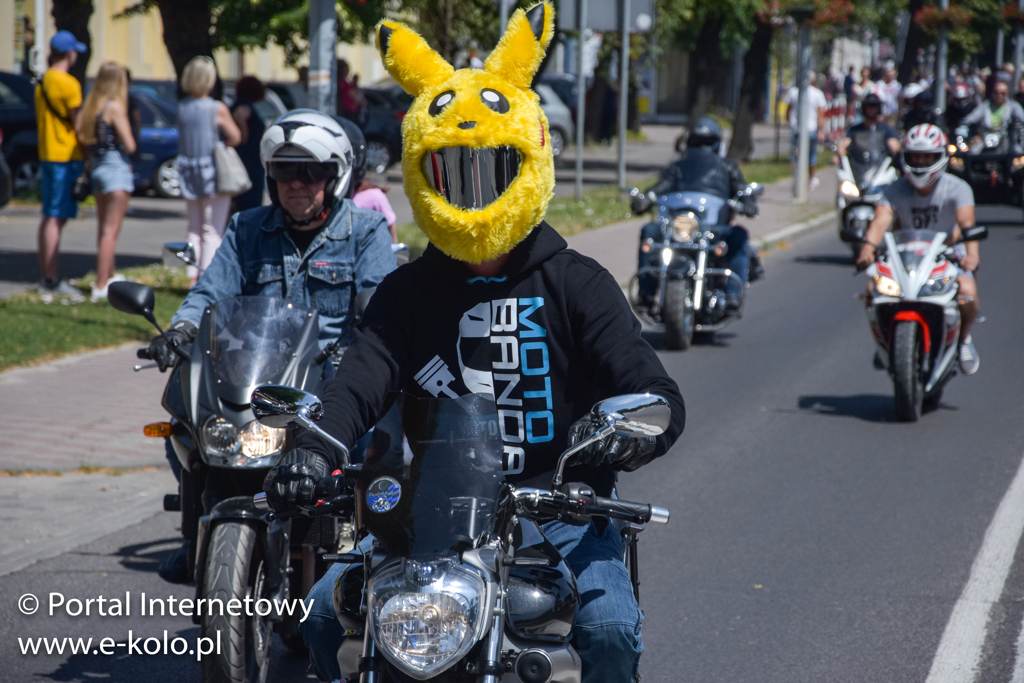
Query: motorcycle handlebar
628	511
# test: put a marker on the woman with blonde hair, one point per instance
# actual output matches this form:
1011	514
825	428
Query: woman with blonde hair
103	127
202	123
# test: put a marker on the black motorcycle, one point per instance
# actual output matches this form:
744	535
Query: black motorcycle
681	251
234	549
992	163
460	584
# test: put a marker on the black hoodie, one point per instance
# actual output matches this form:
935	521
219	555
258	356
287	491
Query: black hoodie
548	338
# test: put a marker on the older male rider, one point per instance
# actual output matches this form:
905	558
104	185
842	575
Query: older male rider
311	246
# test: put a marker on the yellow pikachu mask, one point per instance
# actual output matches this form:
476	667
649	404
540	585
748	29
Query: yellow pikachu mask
477	158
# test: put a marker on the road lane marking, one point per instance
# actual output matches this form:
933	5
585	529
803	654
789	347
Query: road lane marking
959	651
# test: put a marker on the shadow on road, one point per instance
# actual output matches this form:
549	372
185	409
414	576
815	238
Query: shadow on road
146	557
827	260
23	266
124	667
656	338
152	213
867	407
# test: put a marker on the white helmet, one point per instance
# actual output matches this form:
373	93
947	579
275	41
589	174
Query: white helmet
925	138
307	135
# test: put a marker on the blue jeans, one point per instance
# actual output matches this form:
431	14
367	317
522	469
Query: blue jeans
56	181
607	634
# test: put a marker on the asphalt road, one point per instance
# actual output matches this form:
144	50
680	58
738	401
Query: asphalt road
812	538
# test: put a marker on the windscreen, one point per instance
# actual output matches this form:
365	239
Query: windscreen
449	495
707	207
253	340
912	245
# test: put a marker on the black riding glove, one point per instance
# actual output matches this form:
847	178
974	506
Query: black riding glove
294	482
162	347
639	203
619	452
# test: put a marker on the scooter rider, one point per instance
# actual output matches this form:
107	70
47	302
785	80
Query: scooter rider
702	168
496	305
871	132
928	198
962	102
311	246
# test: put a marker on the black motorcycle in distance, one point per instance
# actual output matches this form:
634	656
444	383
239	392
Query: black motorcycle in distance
460	584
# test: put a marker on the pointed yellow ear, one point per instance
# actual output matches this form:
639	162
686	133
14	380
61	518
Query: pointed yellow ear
520	51
409	59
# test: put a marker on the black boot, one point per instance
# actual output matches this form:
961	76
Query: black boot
756	268
174	567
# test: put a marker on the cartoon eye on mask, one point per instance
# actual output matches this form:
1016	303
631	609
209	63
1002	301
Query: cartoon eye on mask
476	162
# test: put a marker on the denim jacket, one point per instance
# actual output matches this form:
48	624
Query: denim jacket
259	258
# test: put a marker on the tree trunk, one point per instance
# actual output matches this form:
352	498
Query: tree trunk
709	70
916	39
752	92
186	30
73	15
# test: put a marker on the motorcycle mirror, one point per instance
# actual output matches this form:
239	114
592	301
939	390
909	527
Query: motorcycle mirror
183	251
275	405
755	189
133	298
974	234
634	414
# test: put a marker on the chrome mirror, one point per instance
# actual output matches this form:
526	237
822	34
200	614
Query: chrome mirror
634	414
278	406
183	251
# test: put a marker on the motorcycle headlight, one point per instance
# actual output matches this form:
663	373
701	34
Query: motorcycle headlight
425	616
220	437
886	286
258	440
849	189
683	226
938	285
956	163
667	255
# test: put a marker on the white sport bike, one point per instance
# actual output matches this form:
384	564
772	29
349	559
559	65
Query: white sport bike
914	316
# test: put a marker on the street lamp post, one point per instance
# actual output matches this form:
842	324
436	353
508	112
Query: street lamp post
1018	42
581	91
323	34
940	63
623	93
802	16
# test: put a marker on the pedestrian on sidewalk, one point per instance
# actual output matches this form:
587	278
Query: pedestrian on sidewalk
249	91
104	128
202	123
814	131
58	98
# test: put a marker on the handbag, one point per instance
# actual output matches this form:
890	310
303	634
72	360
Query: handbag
232	178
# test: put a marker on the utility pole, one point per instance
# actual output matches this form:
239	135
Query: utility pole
502	15
581	91
1000	46
39	49
940	63
1018	44
323	36
623	93
802	16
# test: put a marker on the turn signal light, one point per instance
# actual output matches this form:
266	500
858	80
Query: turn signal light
157	430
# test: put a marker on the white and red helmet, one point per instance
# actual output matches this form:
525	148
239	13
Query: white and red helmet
925	139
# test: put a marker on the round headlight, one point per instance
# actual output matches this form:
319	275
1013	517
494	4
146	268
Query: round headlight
426	616
849	189
683	226
259	440
220	437
886	286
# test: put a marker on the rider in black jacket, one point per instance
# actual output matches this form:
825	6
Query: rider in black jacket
702	168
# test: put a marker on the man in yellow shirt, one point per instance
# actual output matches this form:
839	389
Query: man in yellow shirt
58	98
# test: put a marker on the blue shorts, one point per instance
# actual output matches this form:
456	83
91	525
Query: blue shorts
56	181
111	172
812	156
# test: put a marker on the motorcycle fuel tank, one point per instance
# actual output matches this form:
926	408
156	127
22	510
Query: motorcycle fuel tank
542	599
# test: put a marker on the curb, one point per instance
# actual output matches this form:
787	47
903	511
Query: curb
792	231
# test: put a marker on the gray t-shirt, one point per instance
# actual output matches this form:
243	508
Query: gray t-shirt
934	211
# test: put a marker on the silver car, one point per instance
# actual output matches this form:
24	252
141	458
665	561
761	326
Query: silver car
559	118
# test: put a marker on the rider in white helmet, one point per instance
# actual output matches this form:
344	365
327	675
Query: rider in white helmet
311	246
928	198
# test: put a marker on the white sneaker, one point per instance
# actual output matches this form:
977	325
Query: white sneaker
98	294
969	360
60	291
815	182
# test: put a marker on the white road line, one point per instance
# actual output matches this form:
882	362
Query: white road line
956	660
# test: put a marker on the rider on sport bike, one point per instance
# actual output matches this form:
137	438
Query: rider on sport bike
871	131
311	246
702	169
999	113
927	198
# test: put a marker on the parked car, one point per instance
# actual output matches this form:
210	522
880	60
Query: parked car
292	94
560	123
382	127
154	164
18	127
564	86
5	178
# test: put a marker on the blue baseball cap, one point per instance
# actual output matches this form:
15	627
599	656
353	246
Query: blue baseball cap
65	41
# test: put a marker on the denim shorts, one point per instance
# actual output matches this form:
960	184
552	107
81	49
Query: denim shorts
812	139
56	180
111	172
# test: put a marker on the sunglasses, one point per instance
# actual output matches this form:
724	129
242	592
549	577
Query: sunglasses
303	171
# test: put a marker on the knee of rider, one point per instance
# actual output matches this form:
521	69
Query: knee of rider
611	640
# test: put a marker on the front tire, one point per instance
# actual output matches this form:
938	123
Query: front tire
678	315
166	181
906	371
234	570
